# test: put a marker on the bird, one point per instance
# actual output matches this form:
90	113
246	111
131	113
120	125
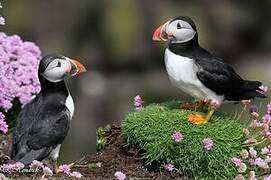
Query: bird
200	73
44	122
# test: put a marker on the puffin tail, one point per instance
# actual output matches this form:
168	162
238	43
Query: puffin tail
251	89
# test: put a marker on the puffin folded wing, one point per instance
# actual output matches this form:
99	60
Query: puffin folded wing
48	132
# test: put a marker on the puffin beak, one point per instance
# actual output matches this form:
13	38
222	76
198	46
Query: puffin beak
160	33
76	68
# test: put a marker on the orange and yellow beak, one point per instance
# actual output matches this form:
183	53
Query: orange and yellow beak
76	68
160	33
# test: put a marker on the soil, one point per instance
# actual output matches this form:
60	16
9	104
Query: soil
114	157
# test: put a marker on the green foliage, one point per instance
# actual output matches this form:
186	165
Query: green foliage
151	128
101	137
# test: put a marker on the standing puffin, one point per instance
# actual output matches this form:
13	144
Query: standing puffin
43	123
198	72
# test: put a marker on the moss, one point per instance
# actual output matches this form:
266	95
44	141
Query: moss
151	128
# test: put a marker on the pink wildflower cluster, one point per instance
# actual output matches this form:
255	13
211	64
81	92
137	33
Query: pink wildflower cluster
19	62
10	168
120	175
207	143
255	160
39	165
177	136
138	103
169	167
67	170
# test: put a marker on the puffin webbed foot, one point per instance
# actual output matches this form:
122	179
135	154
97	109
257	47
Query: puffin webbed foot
200	119
196	119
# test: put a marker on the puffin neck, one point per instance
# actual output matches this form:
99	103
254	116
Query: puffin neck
186	48
50	87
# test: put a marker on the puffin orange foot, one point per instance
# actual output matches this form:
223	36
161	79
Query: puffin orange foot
197	119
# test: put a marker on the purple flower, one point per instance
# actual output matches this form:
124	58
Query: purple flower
65	169
177	136
253	109
268	177
3	124
263	90
266	118
252	152
19	63
120	175
138	103
75	174
2	21
207	143
236	161
36	164
169	167
10	168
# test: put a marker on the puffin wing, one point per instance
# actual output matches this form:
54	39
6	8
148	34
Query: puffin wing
218	76
50	128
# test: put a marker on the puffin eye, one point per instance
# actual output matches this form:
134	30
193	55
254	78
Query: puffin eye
179	26
58	64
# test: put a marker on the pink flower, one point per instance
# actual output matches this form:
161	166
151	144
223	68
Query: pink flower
252	175
266	118
263	90
75	174
47	171
2	21
244	154
10	168
169	167
207	143
36	164
138	103
251	141
120	175
264	165
236	161
242	168
177	136
239	177
268	177
65	169
264	150
252	152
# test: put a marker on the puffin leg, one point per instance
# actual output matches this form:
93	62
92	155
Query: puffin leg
56	168
197	106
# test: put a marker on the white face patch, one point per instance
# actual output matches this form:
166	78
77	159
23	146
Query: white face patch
57	70
181	30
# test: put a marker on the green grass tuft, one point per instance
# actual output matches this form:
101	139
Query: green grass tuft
151	128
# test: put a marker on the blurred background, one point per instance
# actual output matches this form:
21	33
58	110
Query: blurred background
114	40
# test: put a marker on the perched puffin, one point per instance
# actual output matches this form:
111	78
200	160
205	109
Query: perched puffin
198	72
43	123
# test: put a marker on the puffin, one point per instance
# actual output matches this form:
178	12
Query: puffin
198	72
43	123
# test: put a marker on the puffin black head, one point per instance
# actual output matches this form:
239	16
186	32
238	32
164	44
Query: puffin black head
55	67
178	30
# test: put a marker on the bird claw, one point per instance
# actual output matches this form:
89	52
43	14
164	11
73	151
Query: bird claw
197	119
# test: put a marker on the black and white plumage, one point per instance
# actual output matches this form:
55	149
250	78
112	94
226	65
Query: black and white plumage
43	124
198	72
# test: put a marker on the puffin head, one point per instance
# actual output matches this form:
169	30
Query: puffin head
55	67
178	30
